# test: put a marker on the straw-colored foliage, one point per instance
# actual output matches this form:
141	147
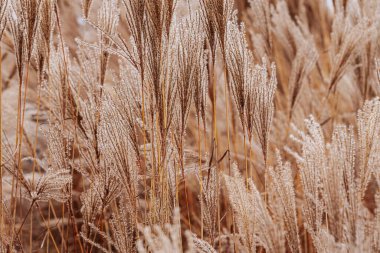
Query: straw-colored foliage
190	126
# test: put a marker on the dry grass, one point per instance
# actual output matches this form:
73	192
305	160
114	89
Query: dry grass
190	126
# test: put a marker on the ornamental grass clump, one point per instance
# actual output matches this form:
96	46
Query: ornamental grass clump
189	126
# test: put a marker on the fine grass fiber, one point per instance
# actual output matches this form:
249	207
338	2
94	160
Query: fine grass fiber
190	126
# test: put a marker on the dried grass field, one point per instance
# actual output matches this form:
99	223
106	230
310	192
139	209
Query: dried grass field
194	126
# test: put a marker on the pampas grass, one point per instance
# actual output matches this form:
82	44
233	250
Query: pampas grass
190	126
